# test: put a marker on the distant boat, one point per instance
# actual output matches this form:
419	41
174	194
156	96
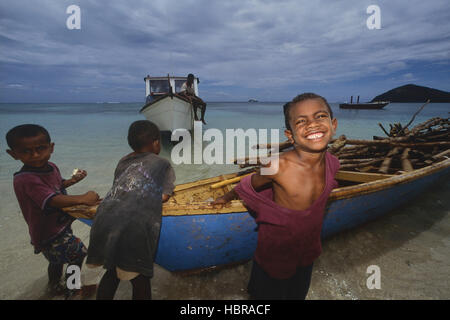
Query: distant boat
366	105
252	100
164	107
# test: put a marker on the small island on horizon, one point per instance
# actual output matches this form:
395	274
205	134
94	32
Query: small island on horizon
413	93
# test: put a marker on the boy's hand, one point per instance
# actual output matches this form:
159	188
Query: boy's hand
227	197
91	198
219	201
78	175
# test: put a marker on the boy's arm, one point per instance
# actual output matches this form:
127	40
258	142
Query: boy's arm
258	181
165	197
168	184
90	198
261	182
76	177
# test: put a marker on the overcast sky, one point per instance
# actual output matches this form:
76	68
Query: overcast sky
263	49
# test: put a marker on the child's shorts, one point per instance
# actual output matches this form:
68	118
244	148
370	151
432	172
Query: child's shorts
66	248
263	287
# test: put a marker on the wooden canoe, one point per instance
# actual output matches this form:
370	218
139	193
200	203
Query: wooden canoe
195	235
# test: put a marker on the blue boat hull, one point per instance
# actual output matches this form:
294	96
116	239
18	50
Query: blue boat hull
348	213
201	241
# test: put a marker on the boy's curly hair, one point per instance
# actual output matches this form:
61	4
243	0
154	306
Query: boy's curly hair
302	97
25	131
142	132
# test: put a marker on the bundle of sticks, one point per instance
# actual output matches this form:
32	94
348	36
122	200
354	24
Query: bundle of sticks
401	151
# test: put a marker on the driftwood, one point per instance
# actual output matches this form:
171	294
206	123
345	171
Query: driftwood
406	163
338	144
402	151
384	168
403	130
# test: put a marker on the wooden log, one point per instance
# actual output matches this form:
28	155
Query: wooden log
362	161
281	145
402	131
406	164
442	155
384	168
338	144
366	169
361	152
360	165
425	125
253	160
395	144
228	181
436	135
384	130
348	149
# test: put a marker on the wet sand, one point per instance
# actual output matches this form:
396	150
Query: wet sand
410	245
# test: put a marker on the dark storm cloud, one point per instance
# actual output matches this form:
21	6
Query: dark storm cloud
238	48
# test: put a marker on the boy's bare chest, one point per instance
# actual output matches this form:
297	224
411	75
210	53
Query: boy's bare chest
300	189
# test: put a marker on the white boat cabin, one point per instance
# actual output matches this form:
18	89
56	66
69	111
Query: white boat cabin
158	86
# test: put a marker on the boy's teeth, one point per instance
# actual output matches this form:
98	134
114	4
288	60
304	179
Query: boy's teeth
315	135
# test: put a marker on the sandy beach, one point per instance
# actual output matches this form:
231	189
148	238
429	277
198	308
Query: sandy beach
86	70
410	245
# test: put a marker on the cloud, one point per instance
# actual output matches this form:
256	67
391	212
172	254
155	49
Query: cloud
258	46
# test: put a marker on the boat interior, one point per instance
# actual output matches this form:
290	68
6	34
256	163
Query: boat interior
196	196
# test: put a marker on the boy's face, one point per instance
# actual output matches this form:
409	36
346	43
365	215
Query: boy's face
312	126
32	151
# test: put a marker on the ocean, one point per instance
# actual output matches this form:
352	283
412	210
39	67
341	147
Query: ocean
92	136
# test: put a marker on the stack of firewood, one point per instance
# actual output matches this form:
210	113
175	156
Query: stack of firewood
401	151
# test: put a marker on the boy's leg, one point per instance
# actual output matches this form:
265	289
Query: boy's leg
195	106
299	284
263	287
65	249
54	279
141	288
200	103
203	106
108	285
55	272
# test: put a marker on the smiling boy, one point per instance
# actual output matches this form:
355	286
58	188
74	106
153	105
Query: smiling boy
289	205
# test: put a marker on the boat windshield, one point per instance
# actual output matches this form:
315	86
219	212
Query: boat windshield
178	84
159	86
